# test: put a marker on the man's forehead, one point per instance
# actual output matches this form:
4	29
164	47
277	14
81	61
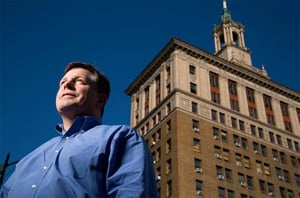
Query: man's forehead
76	72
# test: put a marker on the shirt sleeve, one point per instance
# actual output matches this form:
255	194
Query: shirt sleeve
130	170
6	187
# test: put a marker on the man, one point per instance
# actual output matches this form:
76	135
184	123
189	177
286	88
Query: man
87	159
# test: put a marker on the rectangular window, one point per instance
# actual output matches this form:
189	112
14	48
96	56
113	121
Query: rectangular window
224	135
233	97
272	137
260	132
214	79
197	164
233	122
253	129
251	102
290	144
298	113
228	174
192	70
169	188
157	89
216	133
269	110
214	87
230	193
195	125
193	88
297	147
222	117
262	186
146	105
194	107
242	125
214	115
279	140
168	146
198	186
196	144
169	166
221	192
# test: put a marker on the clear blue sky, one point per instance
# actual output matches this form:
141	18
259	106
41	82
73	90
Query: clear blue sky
38	38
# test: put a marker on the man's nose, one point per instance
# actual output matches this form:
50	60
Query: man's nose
69	84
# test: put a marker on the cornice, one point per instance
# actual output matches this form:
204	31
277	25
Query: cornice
249	74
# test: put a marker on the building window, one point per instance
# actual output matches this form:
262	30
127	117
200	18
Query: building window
269	110
244	143
168	146
169	188
253	130
264	151
169	166
297	180
194	107
272	137
196	144
222	117
251	102
221	192
197	163
233	122
214	115
286	118
298	113
279	140
224	135
157	90
260	132
297	147
282	191
250	181
262	186
193	88
228	174
168	108
282	157
215	133
290	144
233	97
192	70
214	87
146	105
275	154
168	126
199	187
230	193
214	79
286	175
293	161
195	125
242	125
270	189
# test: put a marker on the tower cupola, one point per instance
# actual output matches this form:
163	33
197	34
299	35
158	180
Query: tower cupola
229	39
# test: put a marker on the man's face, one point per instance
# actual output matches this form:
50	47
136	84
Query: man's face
76	95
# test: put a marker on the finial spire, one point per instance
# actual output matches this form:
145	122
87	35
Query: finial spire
224	4
226	13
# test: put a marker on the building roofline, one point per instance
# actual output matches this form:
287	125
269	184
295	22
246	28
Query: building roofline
251	74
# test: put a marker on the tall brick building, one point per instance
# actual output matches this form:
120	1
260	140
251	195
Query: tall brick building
217	126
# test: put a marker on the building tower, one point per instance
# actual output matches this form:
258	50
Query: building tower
216	125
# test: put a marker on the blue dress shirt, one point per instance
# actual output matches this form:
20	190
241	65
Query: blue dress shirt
88	160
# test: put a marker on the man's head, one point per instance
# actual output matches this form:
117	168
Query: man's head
83	91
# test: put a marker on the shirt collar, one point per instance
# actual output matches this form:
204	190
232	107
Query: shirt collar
80	124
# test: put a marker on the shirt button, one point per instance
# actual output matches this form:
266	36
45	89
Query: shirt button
67	138
56	151
45	167
33	186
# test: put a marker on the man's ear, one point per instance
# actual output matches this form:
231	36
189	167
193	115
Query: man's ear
102	98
